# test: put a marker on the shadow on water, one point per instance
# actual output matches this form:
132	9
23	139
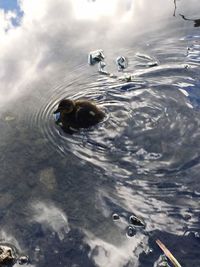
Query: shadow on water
196	21
59	192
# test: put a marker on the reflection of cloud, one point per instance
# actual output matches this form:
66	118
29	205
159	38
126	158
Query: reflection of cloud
47	37
156	213
51	217
49	34
111	254
142	198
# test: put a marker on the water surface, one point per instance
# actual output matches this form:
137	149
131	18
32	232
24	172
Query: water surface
58	192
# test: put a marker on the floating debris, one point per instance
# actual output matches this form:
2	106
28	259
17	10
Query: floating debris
115	217
134	220
162	262
122	63
95	57
186	66
130	231
168	253
7	255
187	217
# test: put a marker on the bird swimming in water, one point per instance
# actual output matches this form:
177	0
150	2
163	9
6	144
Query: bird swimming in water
72	115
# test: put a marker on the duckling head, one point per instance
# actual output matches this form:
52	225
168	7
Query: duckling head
66	106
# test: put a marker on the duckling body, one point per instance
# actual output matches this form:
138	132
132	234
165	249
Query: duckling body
77	114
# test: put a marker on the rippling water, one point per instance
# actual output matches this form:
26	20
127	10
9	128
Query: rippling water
59	191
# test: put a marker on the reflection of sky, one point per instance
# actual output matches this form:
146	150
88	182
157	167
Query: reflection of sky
11	7
9	4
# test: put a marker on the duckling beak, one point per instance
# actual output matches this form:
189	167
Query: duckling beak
56	115
56	111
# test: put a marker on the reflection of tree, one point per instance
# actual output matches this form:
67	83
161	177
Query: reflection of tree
196	21
175	6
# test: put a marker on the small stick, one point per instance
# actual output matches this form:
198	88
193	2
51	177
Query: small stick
168	253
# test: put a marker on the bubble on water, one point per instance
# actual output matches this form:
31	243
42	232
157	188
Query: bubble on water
115	217
136	221
130	232
122	63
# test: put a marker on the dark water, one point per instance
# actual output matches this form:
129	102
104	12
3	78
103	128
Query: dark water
58	192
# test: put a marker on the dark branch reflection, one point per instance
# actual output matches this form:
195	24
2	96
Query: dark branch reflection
196	21
175	6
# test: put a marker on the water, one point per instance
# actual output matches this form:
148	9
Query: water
59	192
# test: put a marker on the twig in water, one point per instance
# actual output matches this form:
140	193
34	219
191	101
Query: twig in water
168	253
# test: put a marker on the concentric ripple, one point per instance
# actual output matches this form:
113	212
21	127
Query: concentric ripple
149	124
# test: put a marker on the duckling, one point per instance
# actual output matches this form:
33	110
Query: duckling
72	115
